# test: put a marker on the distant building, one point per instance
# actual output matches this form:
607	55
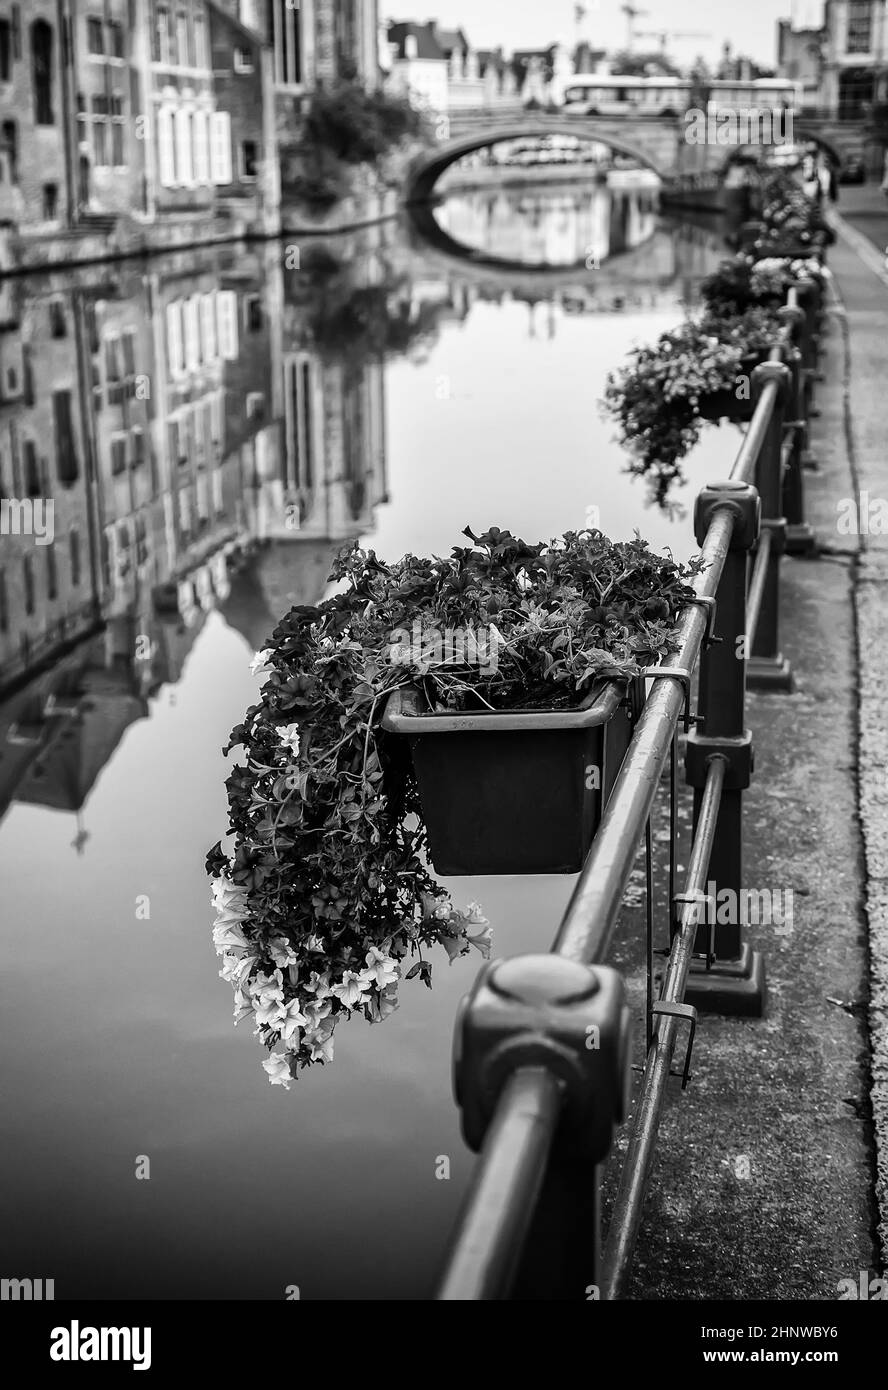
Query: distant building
800	58
419	65
855	61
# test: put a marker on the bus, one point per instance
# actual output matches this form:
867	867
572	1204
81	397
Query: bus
627	96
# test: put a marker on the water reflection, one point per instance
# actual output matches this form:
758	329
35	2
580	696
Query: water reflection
211	426
577	223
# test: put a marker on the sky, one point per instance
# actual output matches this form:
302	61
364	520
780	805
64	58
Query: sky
750	25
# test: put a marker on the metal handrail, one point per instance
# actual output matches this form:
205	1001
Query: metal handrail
520	1157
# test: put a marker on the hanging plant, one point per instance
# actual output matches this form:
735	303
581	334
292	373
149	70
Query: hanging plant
656	399
324	895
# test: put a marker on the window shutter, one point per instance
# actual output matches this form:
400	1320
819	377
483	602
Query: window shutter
226	308
192	333
183	146
220	146
201	148
166	153
208	328
174	337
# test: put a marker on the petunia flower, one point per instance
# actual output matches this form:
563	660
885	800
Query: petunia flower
278	1068
293	1020
289	736
315	1014
350	989
380	1005
319	985
482	942
259	665
381	970
321	1044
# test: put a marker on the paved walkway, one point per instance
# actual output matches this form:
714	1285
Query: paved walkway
863	288
765	1183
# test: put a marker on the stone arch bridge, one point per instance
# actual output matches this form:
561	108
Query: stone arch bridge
657	142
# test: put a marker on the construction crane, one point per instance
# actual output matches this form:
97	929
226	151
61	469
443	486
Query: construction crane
632	13
664	34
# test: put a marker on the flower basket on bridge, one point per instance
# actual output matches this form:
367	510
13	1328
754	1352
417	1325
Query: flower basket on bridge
725	404
515	791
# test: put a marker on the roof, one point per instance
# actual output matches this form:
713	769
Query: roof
449	39
427	45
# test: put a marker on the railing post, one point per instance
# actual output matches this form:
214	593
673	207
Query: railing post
768	669
571	1020
731	978
800	539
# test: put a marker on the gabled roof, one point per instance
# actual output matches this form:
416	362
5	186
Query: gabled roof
427	45
449	39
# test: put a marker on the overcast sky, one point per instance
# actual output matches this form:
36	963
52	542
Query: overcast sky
751	25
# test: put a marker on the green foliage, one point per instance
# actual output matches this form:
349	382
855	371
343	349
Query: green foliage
325	890
357	126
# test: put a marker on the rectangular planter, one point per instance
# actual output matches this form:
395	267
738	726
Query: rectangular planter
514	792
720	405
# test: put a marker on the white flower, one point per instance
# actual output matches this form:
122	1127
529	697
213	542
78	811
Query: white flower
242	1008
321	1043
268	999
381	1005
293	1020
282	952
278	1068
381	970
350	989
289	736
319	985
315	1014
259	665
482	942
473	915
228	937
229	901
235	968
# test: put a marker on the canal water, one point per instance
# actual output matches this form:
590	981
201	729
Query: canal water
242	413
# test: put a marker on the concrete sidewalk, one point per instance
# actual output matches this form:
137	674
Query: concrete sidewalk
764	1182
864	320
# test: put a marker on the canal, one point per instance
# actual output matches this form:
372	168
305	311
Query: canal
236	415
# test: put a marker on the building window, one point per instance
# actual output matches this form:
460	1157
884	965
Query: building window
4	603
162	35
58	323
50	201
183	55
95	36
41	61
5	50
253	313
28	579
9	151
226	324
249	160
175	340
860	26
67	464
32	470
208	347
115	39
52	573
118	455
200	129
298	416
243	60
285	28
138	438
74	555
255	405
200	42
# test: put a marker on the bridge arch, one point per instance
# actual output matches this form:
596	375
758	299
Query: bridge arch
428	167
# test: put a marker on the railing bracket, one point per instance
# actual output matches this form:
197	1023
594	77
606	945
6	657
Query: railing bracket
686	1011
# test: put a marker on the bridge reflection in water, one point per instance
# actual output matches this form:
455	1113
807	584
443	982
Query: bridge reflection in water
210	428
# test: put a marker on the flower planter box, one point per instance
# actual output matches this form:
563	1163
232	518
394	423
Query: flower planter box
517	791
719	405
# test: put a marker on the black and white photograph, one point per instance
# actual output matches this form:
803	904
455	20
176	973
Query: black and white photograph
443	671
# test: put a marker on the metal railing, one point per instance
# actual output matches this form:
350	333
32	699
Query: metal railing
542	1047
